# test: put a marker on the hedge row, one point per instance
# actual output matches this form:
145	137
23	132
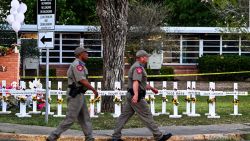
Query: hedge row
224	63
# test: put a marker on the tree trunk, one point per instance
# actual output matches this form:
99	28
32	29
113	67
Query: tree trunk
113	19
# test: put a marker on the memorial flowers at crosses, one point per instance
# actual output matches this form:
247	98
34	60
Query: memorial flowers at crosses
59	100
22	99
117	100
164	99
152	98
98	99
194	100
49	100
6	98
92	101
236	101
188	99
34	98
175	101
211	100
147	99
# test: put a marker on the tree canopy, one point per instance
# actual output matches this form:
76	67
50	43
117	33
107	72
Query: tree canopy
83	12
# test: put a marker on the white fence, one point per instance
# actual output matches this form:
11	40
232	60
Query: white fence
35	92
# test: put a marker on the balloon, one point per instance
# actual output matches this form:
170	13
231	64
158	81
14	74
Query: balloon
22	8
14	4
13	11
16	26
10	19
19	17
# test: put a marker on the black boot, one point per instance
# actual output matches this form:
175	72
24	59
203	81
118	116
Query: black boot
166	137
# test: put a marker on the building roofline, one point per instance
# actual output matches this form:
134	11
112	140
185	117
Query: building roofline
180	30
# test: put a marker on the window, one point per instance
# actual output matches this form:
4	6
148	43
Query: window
65	44
230	46
190	51
171	51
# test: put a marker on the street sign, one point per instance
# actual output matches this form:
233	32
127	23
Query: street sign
45	40
46	14
46	25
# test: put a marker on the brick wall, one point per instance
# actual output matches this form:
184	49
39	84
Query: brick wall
61	70
12	62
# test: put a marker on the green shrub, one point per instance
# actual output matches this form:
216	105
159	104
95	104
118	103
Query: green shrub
224	63
165	70
29	49
3	51
52	72
95	66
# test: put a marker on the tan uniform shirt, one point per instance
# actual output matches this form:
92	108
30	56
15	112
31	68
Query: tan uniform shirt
137	72
76	72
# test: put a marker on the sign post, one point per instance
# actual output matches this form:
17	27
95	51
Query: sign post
46	25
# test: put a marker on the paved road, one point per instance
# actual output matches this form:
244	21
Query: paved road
176	130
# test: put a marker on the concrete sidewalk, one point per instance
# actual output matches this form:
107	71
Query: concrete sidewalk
201	132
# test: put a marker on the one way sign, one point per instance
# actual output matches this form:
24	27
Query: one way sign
46	40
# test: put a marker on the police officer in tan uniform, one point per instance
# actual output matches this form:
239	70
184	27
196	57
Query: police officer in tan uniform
77	108
137	85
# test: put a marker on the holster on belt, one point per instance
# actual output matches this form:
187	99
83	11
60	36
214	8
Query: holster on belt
74	90
141	93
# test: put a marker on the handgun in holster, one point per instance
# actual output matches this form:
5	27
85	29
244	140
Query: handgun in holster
141	93
74	90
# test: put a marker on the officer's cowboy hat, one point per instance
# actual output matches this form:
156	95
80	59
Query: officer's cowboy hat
79	50
142	53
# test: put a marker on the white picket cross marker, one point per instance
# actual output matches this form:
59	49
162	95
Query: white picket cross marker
49	96
175	115
4	104
164	96
23	105
193	104
59	97
117	105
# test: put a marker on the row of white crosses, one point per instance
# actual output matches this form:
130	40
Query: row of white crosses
117	93
191	92
35	88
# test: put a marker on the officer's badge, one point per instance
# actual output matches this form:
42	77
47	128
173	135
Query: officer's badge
79	68
139	70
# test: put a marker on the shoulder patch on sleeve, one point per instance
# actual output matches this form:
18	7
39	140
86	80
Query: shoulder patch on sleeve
79	67
139	70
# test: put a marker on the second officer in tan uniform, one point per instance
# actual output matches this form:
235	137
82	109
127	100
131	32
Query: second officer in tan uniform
77	107
137	85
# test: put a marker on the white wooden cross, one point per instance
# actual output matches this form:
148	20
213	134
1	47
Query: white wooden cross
164	98
23	105
236	93
188	98
175	106
118	96
59	100
98	103
34	87
4	104
193	93
92	103
212	98
152	100
49	100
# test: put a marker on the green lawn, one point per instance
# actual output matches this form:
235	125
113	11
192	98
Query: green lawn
106	121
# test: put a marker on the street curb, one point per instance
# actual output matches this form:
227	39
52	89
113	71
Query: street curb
197	137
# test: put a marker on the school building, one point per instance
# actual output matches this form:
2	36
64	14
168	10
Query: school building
180	52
